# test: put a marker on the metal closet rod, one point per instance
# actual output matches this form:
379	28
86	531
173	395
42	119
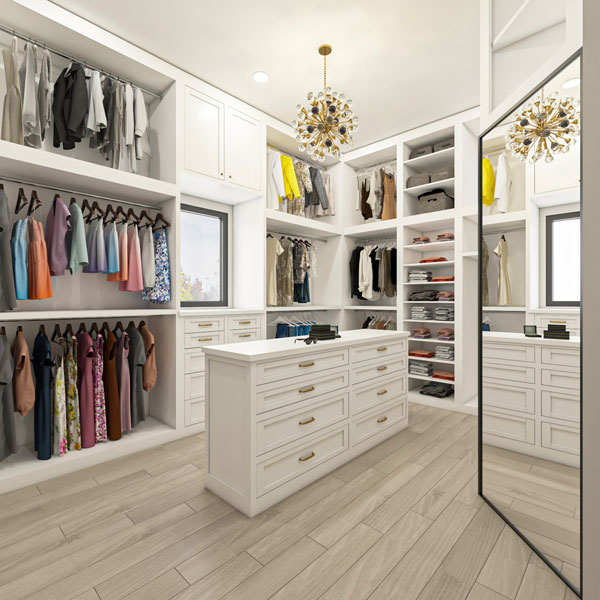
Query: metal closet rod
385	163
304	158
375	241
77	193
31	40
501	231
288	234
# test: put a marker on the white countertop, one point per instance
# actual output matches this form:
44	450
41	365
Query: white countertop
216	310
503	336
281	347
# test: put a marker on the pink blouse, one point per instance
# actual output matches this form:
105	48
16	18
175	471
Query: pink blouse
134	282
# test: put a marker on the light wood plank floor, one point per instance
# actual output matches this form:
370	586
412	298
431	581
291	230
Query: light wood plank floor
403	521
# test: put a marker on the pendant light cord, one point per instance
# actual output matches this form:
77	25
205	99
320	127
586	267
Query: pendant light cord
324	71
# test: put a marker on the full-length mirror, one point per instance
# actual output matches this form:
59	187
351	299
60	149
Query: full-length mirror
530	404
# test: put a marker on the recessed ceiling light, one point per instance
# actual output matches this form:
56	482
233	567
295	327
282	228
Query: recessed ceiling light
571	83
261	76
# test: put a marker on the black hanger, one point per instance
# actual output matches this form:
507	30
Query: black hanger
269	235
131	213
73	201
131	324
108	212
118	327
21	201
56	332
97	211
19	329
94	329
82	328
122	213
69	331
41	329
2	329
1	186
160	219
503	237
85	205
149	220
34	203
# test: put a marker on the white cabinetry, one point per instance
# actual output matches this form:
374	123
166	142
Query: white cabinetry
280	415
531	396
242	149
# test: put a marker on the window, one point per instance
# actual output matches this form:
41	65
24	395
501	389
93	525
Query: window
563	259
203	276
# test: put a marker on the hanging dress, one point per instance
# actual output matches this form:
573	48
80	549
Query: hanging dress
134	281
76	240
504	295
72	394
485	258
161	292
58	222
365	207
22	381
389	197
85	388
8	298
29	95
123	273
99	398
42	368
12	116
123	379
59	401
45	93
18	249
38	271
137	359
148	265
8	438
111	386
111	245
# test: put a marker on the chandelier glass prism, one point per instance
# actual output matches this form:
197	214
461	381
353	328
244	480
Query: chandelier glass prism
327	123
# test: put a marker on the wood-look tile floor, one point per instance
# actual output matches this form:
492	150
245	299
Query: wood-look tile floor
402	521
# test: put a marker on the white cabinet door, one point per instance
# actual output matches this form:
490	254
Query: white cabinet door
562	173
242	149
203	134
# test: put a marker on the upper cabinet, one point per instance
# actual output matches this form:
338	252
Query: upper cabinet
560	174
221	141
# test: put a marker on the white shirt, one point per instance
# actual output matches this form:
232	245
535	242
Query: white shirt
96	119
275	184
365	274
140	122
148	264
503	184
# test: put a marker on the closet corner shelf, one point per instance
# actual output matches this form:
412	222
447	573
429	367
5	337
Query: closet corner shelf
425	378
429	283
76	315
431	161
299	308
446	184
504	309
430	340
431	247
433	360
497	223
53	169
438	220
373	230
443	263
474	254
374	307
301	226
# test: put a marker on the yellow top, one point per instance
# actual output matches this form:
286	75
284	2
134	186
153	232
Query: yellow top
289	177
488	182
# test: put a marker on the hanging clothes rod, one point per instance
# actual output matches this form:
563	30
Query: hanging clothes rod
375	241
304	158
501	231
31	40
387	163
288	234
77	193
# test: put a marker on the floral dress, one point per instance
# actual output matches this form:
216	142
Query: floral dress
99	400
161	292
59	402
73	420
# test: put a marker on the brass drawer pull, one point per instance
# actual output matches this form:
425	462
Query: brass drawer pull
382	368
245	335
204	339
205	324
382	349
382	393
308	364
307	457
245	322
306	422
382	420
308	389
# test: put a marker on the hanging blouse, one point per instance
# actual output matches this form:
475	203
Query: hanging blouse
70	107
149	368
289	177
134	282
161	292
503	184
8	438
389	197
274	249
285	274
99	398
137	359
73	418
96	116
45	87
58	222
140	122
148	265
123	273
23	387
42	367
8	298
111	246
31	118
123	378
275	183
12	116
75	240
129	127
38	271
488	182
96	248
59	401
18	249
85	387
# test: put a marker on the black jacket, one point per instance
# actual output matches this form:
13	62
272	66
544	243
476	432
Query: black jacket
70	107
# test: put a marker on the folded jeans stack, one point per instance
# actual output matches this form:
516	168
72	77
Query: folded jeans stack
437	390
421	313
416	276
444	352
421	333
423	296
443	313
416	367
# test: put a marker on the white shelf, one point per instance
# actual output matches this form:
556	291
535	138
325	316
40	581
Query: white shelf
446	184
374	229
431	161
59	315
301	308
440	219
473	254
497	223
432	246
375	307
427	321
294	225
430	340
444	263
429	283
429	302
51	169
432	360
436	379
504	309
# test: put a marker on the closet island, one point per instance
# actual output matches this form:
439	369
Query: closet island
280	414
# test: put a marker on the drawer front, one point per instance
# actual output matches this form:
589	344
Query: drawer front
508	397
560	437
561	379
510	427
516	352
243	335
560	356
201	339
193	413
381	350
194	386
194	361
572	322
204	325
512	373
560	406
292	425
393	365
375	422
244	322
303	388
276	370
276	471
374	394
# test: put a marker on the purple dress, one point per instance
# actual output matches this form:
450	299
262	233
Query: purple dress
85	387
58	223
124	381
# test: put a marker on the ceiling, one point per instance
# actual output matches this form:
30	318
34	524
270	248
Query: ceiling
404	63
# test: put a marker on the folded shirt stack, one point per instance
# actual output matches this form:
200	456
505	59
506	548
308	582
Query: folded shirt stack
419	276
421	353
443	313
421	313
422	333
443	278
445	334
421	239
444	352
437	390
444	375
445	237
433	259
423	296
445	296
416	367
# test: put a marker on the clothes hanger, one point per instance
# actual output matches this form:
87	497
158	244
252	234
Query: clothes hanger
159	218
69	331
85	205
34	203
118	327
94	329
110	211
131	324
141	324
2	329
131	213
503	238
98	212
56	332
149	220
21	201
105	328
73	201
122	213
41	329
19	329
82	328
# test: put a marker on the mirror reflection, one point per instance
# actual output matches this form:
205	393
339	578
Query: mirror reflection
530	283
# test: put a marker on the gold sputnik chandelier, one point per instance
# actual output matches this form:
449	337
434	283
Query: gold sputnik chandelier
547	127
327	123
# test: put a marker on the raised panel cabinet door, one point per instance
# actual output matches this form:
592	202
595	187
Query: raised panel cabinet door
203	135
242	149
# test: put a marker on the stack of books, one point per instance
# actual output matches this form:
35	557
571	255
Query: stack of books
557	330
322	332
